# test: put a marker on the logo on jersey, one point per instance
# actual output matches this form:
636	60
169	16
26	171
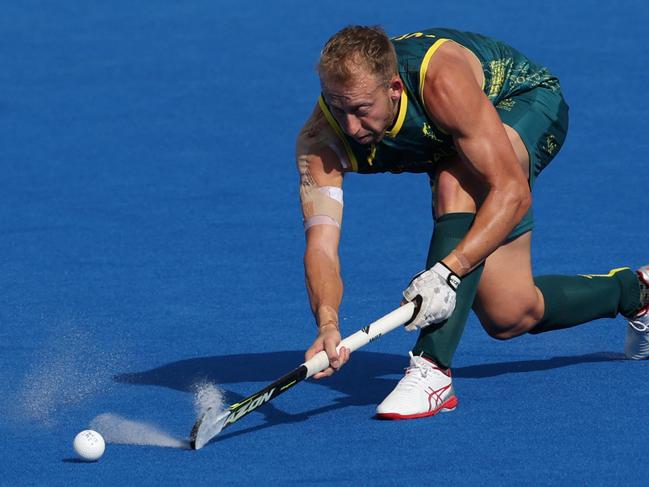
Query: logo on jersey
551	144
429	133
506	104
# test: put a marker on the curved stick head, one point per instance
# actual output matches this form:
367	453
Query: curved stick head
209	425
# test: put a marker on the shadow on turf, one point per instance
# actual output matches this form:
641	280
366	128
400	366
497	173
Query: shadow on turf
501	368
75	460
364	382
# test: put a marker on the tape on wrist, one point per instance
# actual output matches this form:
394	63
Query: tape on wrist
328	325
452	279
462	260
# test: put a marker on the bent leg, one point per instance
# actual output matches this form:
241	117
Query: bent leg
511	302
455	196
458	193
508	303
438	342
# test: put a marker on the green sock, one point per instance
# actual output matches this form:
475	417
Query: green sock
438	342
572	300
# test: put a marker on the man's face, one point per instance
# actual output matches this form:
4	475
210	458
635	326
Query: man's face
364	107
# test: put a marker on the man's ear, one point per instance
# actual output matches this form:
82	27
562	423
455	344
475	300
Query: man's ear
396	87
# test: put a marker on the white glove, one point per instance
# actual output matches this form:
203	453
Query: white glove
435	289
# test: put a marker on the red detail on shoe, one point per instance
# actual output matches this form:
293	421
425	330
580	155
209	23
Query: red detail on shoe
448	405
645	309
446	372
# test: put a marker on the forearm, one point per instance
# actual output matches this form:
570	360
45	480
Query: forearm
324	286
493	165
499	213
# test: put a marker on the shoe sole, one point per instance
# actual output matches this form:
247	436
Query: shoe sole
446	407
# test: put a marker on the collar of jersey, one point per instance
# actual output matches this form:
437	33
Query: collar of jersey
403	109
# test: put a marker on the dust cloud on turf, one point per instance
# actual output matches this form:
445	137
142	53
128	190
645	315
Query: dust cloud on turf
119	430
206	396
72	366
68	368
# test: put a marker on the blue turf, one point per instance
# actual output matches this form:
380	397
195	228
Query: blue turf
150	238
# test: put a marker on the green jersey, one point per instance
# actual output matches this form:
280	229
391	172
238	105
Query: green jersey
415	143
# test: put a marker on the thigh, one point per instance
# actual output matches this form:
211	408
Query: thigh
457	189
508	303
537	123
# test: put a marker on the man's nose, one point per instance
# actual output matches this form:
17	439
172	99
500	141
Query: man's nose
351	124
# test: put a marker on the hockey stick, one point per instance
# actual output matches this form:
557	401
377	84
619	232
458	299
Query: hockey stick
212	422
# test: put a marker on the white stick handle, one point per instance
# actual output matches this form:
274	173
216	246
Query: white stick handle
371	332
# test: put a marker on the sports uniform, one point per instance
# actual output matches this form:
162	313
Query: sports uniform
526	96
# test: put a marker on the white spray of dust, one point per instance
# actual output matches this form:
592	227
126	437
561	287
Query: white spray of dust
70	368
118	430
207	395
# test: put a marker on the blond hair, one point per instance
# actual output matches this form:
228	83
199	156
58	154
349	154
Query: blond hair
357	48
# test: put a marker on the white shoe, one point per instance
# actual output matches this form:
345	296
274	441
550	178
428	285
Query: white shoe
636	345
425	390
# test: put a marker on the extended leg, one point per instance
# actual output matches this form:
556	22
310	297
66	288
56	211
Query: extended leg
510	302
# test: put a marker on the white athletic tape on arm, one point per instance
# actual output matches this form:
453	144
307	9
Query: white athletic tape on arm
319	220
321	205
331	192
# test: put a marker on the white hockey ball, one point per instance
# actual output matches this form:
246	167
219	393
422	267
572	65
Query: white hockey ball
89	445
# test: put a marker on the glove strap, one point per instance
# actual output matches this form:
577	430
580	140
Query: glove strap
451	278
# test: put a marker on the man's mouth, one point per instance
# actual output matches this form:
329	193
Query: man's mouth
365	139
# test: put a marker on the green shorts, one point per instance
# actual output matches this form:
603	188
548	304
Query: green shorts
540	116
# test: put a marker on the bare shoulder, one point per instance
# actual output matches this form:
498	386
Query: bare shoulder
319	146
452	91
316	131
453	62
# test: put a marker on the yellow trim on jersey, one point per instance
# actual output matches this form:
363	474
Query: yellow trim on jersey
422	74
424	65
334	125
611	273
403	109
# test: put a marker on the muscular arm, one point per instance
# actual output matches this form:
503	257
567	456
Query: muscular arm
319	168
455	101
322	269
321	263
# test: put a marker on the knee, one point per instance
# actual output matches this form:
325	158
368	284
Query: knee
502	332
506	316
508	325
